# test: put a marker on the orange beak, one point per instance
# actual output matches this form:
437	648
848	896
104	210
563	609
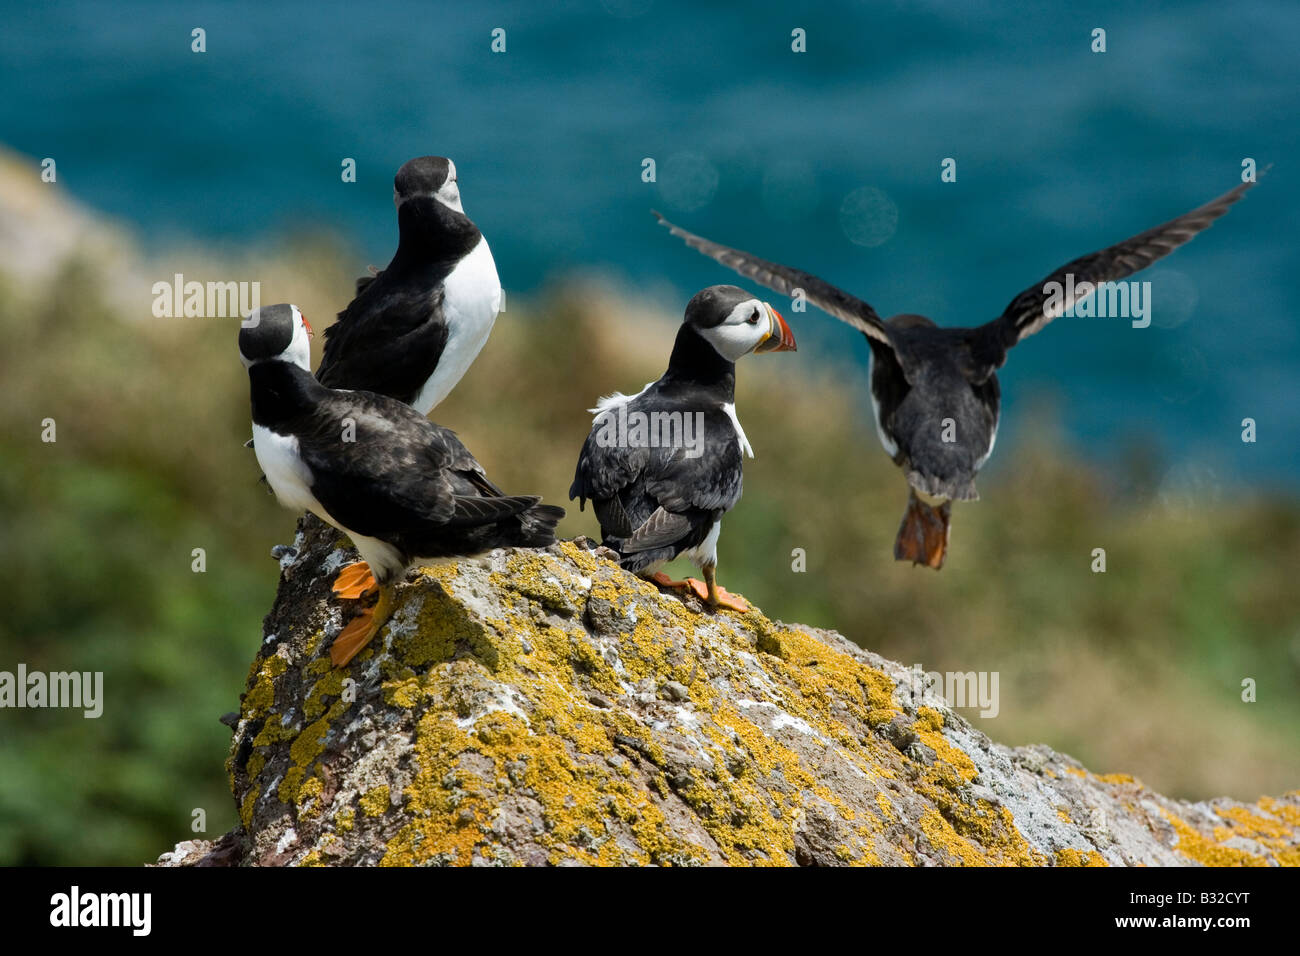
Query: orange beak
779	337
310	334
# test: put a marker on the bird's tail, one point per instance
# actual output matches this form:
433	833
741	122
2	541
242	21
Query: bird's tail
536	526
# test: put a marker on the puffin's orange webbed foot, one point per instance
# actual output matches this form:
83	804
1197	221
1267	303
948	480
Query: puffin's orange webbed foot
734	602
721	597
664	581
353	637
698	588
923	534
354	581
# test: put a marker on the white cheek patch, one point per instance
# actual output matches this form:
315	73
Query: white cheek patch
449	196
736	336
299	350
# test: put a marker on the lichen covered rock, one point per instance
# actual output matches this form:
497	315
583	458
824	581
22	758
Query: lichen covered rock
546	707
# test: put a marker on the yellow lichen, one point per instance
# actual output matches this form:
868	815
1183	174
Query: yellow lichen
945	839
1072	857
1115	778
260	698
1195	846
1270	828
247	806
307	793
375	802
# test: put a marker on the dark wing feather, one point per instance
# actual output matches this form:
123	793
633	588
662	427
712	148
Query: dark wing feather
1029	311
711	482
469	511
386	322
660	529
612	516
604	471
785	280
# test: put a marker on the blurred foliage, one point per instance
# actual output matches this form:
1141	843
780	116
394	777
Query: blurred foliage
1134	670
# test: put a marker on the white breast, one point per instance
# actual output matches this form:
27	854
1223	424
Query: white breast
730	409
290	479
471	301
285	472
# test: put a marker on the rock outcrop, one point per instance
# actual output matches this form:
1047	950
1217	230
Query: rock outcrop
545	707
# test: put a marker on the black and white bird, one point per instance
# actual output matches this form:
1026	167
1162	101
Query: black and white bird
415	328
934	393
663	466
401	487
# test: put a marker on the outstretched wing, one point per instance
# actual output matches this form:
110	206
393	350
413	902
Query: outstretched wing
1034	308
785	280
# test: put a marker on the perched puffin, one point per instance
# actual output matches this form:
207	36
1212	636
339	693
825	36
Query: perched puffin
934	393
401	487
663	466
416	327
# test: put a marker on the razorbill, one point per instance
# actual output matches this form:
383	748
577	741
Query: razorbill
663	466
934	393
401	487
416	327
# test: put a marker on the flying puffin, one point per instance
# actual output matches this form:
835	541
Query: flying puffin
663	466
416	327
934	393
401	487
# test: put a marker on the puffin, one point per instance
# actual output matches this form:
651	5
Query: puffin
402	488
934	392
415	328
663	466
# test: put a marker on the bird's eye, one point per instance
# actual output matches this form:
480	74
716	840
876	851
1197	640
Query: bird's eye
753	319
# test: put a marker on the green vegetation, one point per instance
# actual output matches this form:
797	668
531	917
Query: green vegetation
1136	670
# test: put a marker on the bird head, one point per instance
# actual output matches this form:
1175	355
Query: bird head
428	177
275	333
736	323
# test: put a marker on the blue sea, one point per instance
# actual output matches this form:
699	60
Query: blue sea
827	159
